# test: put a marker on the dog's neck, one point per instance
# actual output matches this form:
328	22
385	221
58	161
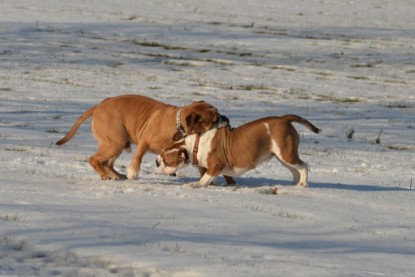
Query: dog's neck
179	126
189	143
203	149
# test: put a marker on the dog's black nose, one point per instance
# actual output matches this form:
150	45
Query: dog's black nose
157	163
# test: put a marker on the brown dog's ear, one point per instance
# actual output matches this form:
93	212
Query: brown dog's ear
191	122
178	136
193	118
215	114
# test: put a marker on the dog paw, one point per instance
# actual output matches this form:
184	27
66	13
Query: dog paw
302	184
198	186
105	177
132	174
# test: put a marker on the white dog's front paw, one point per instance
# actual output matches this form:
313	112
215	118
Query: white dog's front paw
196	186
302	184
192	186
132	174
199	185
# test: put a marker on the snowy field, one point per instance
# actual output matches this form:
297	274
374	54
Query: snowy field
347	66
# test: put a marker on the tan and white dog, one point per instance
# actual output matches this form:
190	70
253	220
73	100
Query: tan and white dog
119	121
235	151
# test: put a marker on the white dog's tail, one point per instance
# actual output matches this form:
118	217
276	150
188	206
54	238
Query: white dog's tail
76	125
302	121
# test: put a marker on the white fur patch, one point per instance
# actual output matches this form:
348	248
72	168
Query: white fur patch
205	147
276	150
268	130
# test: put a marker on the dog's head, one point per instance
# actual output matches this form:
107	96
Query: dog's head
172	158
200	117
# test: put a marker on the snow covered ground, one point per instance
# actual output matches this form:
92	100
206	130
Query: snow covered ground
347	66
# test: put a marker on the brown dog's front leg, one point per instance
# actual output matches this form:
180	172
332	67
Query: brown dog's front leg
134	167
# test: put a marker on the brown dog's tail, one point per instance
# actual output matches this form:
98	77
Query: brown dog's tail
76	125
305	122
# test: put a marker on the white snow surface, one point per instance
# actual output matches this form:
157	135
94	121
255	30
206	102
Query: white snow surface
347	66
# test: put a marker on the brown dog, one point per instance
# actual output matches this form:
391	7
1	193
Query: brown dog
119	121
235	151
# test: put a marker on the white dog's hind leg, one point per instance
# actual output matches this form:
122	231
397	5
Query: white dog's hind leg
302	172
294	172
299	172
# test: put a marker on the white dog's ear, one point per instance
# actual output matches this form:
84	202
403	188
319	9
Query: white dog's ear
185	155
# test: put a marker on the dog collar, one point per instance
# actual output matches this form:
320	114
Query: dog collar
179	126
195	150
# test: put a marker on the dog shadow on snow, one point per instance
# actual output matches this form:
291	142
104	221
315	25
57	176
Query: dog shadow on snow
256	182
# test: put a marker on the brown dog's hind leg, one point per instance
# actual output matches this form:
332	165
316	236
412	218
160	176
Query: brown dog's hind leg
104	159
98	166
109	168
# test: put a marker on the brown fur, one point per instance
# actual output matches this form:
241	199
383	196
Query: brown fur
125	119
